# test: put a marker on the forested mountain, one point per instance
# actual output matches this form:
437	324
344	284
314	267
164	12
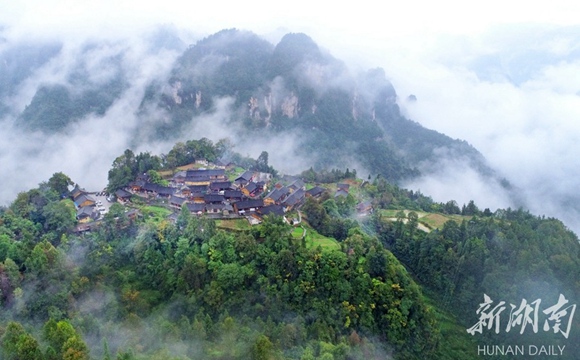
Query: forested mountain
403	282
258	91
365	269
296	87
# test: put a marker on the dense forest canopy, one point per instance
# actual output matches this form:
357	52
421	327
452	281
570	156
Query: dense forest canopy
395	285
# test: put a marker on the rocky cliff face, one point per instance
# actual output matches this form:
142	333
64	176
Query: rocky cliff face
290	106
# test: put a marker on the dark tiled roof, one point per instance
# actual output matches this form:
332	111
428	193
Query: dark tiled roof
220	185
204	173
198	188
278	194
247	175
82	198
247	204
87	211
341	193
150	187
315	191
233	194
198	178
213	207
213	198
297	184
162	190
177	200
272	209
295	197
122	194
193	207
343	186
251	187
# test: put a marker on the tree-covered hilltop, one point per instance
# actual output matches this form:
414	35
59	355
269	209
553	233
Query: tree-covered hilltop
366	270
149	288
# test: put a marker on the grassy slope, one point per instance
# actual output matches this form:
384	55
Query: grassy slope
314	239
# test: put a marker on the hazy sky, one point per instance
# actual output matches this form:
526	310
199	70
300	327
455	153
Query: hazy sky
503	75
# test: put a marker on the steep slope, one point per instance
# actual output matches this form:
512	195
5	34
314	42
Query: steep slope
296	87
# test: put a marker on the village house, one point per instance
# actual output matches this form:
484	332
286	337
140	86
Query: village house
222	209
245	206
176	202
214	208
185	191
213	198
218	186
344	187
199	189
294	200
76	192
195	208
315	192
84	200
244	178
296	184
197	197
277	210
158	190
276	196
233	195
122	196
364	208
179	177
253	189
87	214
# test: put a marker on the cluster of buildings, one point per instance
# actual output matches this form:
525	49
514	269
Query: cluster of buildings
86	206
210	192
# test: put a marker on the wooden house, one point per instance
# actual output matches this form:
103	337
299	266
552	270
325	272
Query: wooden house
185	191
315	192
195	208
276	196
245	206
233	195
365	207
197	197
344	187
218	186
214	208
76	192
179	177
84	200
294	200
213	198
253	189
277	210
122	196
244	178
176	201
297	184
87	214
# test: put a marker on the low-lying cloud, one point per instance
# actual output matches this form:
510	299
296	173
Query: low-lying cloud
523	120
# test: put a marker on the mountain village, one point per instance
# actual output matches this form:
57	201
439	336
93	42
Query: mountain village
213	190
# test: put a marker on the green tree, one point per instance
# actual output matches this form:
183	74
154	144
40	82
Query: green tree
17	344
123	171
262	349
60	216
59	182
